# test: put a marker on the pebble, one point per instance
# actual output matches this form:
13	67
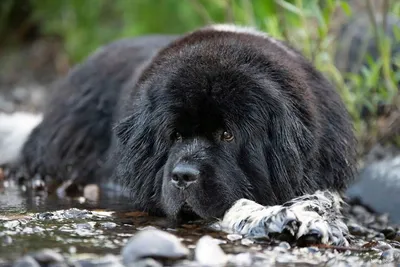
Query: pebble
392	234
106	261
11	224
234	237
84	226
7	240
242	259
284	245
108	225
69	214
208	252
390	255
149	262
153	243
91	192
246	242
47	256
356	229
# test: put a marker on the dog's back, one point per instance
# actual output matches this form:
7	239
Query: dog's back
72	139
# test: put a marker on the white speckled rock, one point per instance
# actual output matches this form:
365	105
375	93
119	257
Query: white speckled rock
153	243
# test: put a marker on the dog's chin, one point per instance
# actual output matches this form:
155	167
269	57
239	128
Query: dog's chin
187	214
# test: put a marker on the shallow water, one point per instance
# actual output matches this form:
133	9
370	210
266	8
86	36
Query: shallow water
78	228
30	222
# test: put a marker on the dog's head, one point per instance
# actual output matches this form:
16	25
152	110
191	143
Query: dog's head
216	116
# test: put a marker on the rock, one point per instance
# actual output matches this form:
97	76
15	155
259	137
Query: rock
284	245
234	237
11	224
106	261
146	263
153	243
91	192
246	242
356	229
26	261
390	255
7	240
47	256
242	259
208	252
108	225
375	181
69	214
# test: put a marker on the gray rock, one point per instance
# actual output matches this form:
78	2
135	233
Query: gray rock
47	256
26	261
108	225
378	187
7	240
146	263
390	255
209	253
153	243
106	261
242	259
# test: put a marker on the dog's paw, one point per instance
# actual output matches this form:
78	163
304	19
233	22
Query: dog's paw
309	219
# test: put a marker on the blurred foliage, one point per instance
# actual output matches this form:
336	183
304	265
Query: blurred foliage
308	25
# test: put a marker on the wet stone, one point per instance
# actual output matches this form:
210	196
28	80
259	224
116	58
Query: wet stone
11	224
246	242
106	261
389	232
395	235
208	252
391	255
284	245
234	237
7	240
357	229
108	225
313	250
153	243
242	259
26	261
84	226
47	256
91	192
69	214
146	263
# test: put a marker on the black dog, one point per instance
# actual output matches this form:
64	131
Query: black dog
221	114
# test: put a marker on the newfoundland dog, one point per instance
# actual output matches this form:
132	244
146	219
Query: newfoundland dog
206	124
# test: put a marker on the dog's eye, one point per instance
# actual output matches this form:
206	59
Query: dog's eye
227	136
177	136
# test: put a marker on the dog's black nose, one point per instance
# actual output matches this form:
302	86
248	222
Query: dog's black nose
184	175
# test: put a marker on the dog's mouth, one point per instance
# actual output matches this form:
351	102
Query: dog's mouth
187	214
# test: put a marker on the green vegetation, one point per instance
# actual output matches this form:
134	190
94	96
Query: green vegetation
309	25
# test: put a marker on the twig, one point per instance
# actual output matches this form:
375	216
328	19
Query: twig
342	248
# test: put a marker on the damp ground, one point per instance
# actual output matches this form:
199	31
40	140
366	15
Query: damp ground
83	231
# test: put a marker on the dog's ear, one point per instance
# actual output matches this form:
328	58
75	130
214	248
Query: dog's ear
124	128
290	141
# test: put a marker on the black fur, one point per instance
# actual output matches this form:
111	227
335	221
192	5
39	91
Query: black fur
291	132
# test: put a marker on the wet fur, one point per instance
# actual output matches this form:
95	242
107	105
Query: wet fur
292	134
